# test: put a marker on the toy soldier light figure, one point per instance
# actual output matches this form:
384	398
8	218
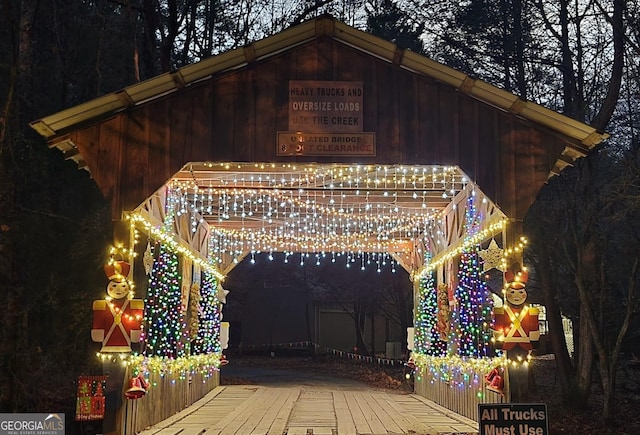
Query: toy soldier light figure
516	328
516	325
117	319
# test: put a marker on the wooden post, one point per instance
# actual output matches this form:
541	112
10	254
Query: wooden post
115	404
518	381
516	375
121	234
512	232
114	396
511	235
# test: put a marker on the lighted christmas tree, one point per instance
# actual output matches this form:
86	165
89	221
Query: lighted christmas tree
425	314
165	321
473	311
208	338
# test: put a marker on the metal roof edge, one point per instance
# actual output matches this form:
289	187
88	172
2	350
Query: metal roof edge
504	100
53	125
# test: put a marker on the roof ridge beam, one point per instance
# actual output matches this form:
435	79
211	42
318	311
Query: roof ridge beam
325	27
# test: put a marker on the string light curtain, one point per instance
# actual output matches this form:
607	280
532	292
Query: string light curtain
365	212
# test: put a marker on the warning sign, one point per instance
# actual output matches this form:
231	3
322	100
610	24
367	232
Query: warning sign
326	119
326	144
326	106
513	419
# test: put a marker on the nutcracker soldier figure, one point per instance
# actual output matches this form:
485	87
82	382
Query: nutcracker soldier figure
516	329
117	319
516	324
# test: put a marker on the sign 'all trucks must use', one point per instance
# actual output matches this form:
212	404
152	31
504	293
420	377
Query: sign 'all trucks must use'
513	419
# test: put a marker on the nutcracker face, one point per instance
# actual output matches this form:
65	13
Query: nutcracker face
118	290
516	297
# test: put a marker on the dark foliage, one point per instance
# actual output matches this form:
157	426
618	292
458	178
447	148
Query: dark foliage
388	21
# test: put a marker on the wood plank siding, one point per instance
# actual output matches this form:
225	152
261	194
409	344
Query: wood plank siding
234	116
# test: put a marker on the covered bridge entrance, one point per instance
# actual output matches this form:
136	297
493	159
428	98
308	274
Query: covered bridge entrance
320	139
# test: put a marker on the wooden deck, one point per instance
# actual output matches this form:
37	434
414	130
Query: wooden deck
251	409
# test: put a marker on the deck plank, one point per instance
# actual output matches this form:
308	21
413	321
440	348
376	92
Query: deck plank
259	411
271	413
405	406
443	420
362	426
345	423
168	431
262	410
384	414
232	421
314	411
175	419
219	406
374	422
191	431
396	415
280	422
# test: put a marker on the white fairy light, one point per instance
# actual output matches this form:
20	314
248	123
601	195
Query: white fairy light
270	207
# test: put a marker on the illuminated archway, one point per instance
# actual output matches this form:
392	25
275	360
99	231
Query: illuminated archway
222	212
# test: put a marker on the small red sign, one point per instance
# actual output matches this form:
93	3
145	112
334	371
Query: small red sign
90	401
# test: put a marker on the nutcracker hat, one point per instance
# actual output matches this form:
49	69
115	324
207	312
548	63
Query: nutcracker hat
516	277
117	270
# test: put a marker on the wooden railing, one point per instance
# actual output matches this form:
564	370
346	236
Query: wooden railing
457	393
166	396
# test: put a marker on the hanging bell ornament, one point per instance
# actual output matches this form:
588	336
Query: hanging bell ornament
495	381
411	364
137	388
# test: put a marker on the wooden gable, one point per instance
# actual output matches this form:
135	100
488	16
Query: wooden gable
231	107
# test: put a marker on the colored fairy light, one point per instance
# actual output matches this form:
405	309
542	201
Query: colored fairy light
269	207
166	236
209	316
164	335
206	364
473	299
426	341
364	215
465	356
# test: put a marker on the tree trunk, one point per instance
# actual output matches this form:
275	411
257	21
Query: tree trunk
584	368
360	321
608	106
568	76
507	45
373	334
609	360
607	387
169	37
521	83
556	336
152	28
